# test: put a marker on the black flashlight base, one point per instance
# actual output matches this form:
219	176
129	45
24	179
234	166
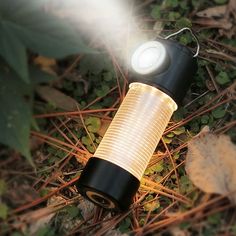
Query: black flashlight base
107	184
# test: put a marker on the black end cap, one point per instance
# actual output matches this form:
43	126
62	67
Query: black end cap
106	179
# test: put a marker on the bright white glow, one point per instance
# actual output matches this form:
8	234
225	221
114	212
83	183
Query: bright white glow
109	22
148	57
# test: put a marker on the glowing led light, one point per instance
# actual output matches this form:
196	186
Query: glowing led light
148	57
137	128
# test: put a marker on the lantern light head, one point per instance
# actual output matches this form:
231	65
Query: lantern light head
148	57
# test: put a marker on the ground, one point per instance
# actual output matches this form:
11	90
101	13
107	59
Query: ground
72	113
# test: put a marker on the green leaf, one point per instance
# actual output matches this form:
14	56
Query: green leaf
171	3
219	112
101	92
39	30
3	187
157	168
156	12
233	229
214	219
166	140
17	234
186	38
152	206
220	1
73	211
14	52
173	15
179	114
86	140
125	225
15	113
183	22
186	185
108	76
45	231
43	192
3	211
205	119
93	124
179	130
222	78
170	135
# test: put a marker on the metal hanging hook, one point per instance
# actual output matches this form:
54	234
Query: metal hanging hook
192	33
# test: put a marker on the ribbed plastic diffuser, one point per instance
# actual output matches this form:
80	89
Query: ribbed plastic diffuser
136	128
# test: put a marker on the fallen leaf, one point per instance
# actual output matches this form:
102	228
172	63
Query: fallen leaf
210	164
57	98
221	17
212	23
230	15
231	9
46	64
218	11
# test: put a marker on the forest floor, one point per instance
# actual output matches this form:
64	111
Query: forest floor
73	113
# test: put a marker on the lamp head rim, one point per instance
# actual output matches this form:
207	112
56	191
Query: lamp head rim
148	57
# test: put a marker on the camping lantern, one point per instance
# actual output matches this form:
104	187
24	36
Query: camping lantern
163	70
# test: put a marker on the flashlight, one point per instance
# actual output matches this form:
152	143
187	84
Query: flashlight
163	70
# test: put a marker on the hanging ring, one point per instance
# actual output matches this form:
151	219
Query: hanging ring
193	35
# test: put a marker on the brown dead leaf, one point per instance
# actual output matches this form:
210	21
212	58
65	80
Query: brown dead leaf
218	11
48	65
211	162
221	17
212	23
57	98
231	9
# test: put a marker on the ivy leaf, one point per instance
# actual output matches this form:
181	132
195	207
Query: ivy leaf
183	22
101	92
15	113
179	130
205	119
222	78
93	124
219	112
